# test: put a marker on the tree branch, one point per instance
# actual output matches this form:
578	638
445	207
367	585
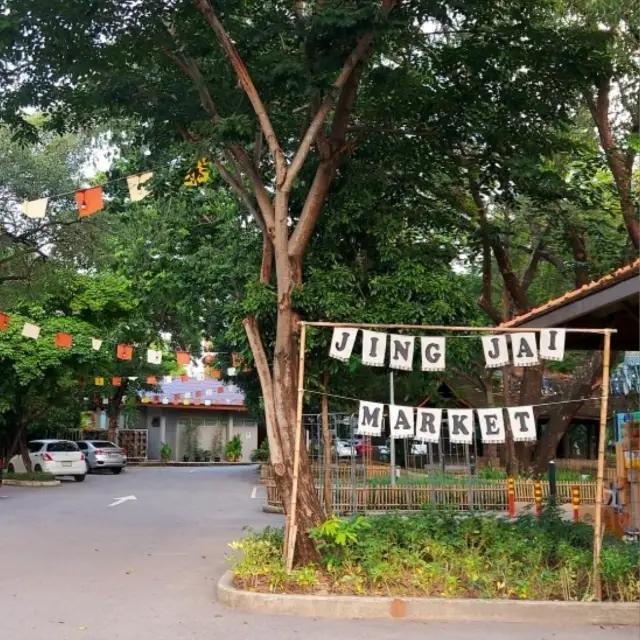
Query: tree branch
204	6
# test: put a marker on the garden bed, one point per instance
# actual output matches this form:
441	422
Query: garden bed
445	555
34	479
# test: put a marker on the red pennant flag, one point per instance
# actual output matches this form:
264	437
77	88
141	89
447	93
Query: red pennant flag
124	352
197	402
198	394
152	380
176	398
216	374
63	340
183	357
89	201
156	399
4	321
184	378
220	389
116	382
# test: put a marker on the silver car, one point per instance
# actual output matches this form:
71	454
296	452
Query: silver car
102	454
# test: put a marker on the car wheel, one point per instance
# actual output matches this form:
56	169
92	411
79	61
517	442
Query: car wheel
79	478
38	469
116	470
11	469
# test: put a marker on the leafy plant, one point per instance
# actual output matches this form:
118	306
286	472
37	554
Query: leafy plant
165	452
261	454
233	449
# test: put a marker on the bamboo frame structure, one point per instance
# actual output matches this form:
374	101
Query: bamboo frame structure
597	536
291	526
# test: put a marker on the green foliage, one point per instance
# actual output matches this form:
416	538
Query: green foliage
451	555
233	449
165	452
261	454
38	476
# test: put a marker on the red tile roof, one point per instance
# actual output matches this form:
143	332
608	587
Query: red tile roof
576	294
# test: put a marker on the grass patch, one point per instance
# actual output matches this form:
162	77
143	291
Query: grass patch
37	476
445	554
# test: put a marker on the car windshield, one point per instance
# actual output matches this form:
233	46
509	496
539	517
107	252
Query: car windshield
34	446
103	444
62	446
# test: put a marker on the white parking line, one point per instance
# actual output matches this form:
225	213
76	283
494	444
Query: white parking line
254	492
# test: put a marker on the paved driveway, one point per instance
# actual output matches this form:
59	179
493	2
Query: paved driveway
72	567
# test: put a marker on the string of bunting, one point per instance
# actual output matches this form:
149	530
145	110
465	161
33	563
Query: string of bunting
425	424
89	200
401	348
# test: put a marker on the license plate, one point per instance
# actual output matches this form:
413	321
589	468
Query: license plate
113	455
66	464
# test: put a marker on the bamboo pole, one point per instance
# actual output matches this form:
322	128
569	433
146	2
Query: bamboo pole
292	529
428	327
597	537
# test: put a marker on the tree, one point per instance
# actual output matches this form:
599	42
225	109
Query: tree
316	78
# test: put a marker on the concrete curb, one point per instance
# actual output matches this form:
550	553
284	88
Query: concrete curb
9	482
434	609
153	463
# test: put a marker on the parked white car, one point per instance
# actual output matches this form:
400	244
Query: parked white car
343	449
58	457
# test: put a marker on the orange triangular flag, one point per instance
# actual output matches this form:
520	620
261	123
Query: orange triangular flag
152	380
183	357
216	374
156	399
198	394
184	378
124	352
99	382
63	340
176	398
4	321
116	382
89	201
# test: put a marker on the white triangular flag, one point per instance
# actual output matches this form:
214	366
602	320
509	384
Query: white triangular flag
136	190
461	427
370	418
207	403
428	425
524	348
433	352
187	394
200	375
401	352
374	346
523	423
132	378
31	330
231	371
165	400
35	208
496	352
154	357
342	343
402	421
208	392
96	344
491	425
167	379
552	344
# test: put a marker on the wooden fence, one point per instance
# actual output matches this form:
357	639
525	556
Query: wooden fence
488	496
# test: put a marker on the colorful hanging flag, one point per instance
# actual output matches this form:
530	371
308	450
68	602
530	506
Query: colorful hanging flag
35	208
4	321
198	175
152	380
186	402
96	344
183	357
176	398
124	352
99	382
145	400
89	201
184	378
200	375
116	382
216	374
207	403
197	402
156	399
63	340
198	394
167	379
154	357
31	331
136	191
220	389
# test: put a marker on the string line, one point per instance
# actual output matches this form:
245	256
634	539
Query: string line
542	404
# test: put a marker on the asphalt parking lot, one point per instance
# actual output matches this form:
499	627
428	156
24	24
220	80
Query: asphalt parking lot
74	567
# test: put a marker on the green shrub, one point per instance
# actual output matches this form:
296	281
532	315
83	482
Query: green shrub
39	476
447	554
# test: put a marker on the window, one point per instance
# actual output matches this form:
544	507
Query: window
82	445
103	444
34	446
63	445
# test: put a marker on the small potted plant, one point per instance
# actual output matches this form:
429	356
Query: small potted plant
165	452
216	447
206	455
233	449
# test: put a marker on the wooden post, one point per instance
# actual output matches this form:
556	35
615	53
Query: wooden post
537	492
292	528
575	499
511	500
597	534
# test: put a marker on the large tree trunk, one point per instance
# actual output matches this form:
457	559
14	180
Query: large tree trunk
581	387
24	450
